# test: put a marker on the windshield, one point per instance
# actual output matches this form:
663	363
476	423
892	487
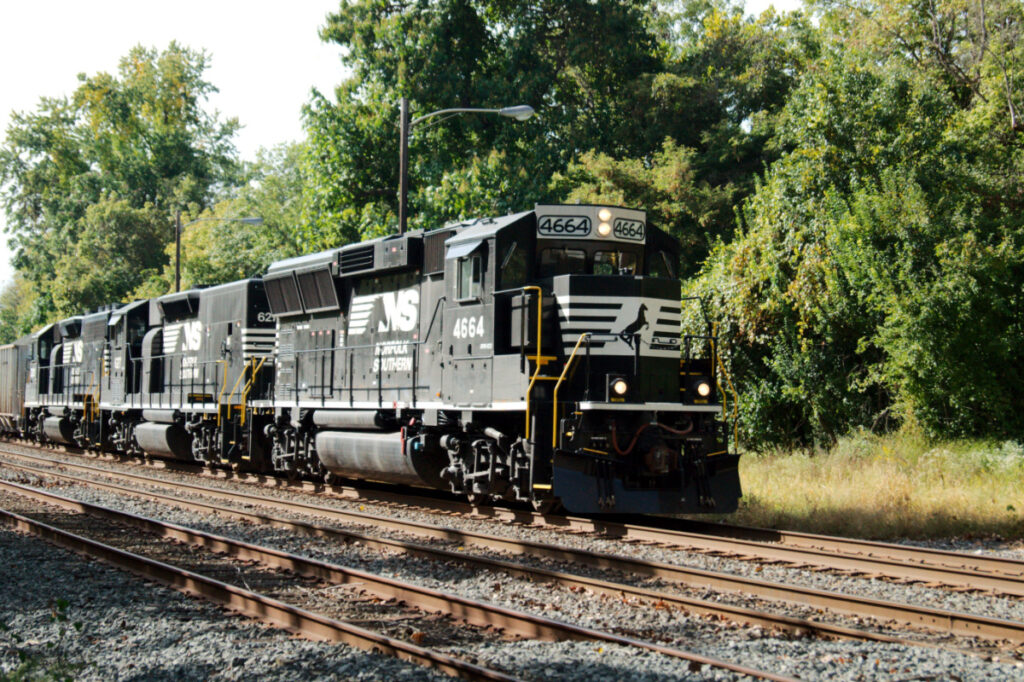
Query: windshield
614	263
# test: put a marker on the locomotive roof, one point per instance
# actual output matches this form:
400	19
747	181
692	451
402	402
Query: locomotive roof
116	316
44	330
302	262
482	228
322	258
467	231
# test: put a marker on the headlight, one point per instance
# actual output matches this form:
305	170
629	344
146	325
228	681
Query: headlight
704	389
619	386
604	215
604	229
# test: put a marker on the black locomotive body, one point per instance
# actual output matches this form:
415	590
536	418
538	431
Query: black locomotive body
534	357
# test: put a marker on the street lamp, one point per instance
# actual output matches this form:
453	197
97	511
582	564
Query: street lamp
520	112
178	227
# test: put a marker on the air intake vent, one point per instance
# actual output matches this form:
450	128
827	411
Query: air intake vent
317	289
356	260
283	294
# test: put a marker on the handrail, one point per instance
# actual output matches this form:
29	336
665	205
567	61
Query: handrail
565	370
99	389
717	358
714	365
536	364
87	409
249	384
237	381
223	387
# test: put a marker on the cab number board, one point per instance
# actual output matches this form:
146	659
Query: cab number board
632	230
563	226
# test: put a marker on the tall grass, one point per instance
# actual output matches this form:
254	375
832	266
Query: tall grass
899	485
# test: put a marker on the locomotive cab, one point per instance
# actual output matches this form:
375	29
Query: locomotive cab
568	317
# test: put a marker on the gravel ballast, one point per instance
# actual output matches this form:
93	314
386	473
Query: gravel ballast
132	629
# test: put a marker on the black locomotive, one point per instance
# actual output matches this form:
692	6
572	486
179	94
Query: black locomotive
533	357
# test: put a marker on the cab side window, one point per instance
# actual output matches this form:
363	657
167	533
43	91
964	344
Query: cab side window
661	265
470	277
513	267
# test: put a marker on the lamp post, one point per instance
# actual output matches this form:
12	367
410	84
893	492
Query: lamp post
178	227
520	112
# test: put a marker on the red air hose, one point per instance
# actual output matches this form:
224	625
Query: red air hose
632	443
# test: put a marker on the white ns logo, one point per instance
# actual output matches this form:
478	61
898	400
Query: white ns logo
192	335
401	309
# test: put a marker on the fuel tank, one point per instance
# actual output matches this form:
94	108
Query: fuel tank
59	430
379	457
164	440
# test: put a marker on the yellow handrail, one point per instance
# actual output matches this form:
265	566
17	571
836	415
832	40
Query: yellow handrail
717	359
99	389
565	370
537	365
249	384
88	409
715	363
237	382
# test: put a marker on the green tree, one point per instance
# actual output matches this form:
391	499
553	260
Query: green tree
19	309
576	62
667	185
716	105
877	279
113	254
220	248
139	140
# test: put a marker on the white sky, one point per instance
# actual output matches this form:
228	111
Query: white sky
265	56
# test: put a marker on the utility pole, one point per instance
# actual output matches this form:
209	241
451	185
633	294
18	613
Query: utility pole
177	250
403	166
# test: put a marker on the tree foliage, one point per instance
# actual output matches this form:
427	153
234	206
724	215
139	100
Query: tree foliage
578	63
90	181
224	243
878	277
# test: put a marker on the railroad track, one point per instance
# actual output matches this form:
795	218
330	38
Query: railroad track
307	622
940	621
932	567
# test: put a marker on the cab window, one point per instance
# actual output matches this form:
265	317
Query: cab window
513	267
562	261
614	263
470	276
661	265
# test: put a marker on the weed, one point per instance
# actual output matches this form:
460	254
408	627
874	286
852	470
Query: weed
883	487
51	663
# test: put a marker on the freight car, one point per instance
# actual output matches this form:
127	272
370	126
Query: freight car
535	357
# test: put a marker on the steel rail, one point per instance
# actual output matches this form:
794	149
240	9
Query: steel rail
957	623
992	565
251	604
836	556
472	611
738	614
